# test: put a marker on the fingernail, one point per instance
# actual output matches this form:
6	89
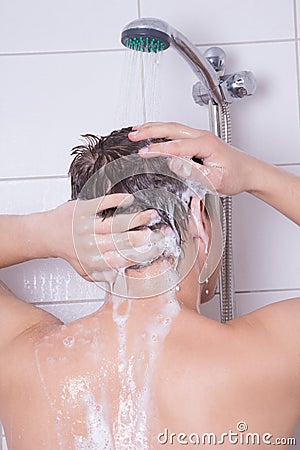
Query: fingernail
134	133
186	168
175	164
144	150
127	200
154	215
136	127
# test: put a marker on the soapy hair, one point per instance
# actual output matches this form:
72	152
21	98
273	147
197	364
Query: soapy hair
151	182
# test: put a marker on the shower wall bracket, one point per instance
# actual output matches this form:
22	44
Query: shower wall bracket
233	86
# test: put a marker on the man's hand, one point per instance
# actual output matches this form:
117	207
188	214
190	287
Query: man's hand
98	248
225	169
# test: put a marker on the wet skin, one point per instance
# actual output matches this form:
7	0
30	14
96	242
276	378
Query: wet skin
49	372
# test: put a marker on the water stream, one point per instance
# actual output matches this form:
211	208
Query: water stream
138	98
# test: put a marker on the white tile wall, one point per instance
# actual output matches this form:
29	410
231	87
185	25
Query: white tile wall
212	308
249	302
60	25
297	7
68	312
266	246
32	195
298	56
273	111
51	280
216	21
48	101
63	74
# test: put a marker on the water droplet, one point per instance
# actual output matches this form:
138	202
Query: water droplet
69	341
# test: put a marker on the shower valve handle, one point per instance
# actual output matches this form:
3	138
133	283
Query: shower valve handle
234	87
238	85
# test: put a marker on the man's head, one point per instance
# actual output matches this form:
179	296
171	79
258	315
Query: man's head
104	166
111	164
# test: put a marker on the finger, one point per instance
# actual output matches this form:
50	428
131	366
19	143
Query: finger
198	147
131	257
207	177
169	130
120	259
109	275
122	241
123	222
91	207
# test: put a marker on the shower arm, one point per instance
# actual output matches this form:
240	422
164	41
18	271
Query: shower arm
200	66
213	86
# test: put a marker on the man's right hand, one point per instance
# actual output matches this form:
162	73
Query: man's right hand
225	169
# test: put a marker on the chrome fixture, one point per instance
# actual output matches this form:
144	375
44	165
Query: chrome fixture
214	89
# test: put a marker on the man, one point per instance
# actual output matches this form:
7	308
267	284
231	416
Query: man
147	370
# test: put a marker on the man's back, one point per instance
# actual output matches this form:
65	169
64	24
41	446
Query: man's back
129	379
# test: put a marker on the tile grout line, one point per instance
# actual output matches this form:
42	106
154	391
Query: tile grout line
297	54
296	19
68	302
118	50
262	41
99	300
63	52
33	178
266	291
65	177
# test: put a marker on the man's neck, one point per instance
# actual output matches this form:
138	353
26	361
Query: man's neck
148	282
153	284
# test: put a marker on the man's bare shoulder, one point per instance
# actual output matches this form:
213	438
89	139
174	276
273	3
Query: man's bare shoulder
229	364
282	317
279	324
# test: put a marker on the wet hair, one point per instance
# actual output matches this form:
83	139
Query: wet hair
151	182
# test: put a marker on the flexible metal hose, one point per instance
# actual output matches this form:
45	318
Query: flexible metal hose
226	277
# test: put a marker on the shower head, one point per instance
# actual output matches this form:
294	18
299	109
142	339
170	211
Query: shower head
146	35
155	35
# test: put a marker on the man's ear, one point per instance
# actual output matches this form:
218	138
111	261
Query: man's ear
198	224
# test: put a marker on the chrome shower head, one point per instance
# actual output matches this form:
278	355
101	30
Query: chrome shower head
155	35
146	35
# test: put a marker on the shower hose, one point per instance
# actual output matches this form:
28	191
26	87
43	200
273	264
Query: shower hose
226	282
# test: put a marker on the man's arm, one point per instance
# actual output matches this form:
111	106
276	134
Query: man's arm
20	238
278	188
